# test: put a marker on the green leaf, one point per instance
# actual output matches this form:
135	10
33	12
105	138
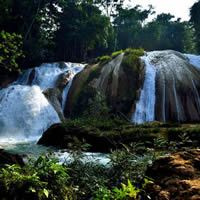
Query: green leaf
46	192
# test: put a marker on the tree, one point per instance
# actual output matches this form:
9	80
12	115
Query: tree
195	19
89	30
109	7
177	35
129	25
10	51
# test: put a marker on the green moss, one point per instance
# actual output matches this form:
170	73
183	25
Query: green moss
138	52
94	73
116	53
131	59
104	59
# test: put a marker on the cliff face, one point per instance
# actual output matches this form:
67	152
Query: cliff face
177	87
126	87
115	83
153	86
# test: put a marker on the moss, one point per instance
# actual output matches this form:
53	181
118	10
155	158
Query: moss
116	53
86	94
94	73
131	59
104	59
137	52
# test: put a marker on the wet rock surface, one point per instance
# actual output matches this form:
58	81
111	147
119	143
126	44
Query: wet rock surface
8	158
118	84
176	177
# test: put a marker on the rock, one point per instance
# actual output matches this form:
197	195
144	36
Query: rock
8	158
6	79
54	96
65	138
177	86
176	177
115	81
100	139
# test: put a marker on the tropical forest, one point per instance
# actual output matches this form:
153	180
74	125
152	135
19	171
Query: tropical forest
99	100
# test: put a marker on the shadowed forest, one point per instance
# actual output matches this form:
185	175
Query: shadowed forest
39	31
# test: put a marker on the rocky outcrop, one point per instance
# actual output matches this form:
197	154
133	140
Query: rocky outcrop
176	177
6	79
118	82
54	96
99	138
7	158
177	87
104	135
121	80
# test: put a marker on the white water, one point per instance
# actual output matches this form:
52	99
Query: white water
145	107
176	99
74	69
194	59
24	114
47	74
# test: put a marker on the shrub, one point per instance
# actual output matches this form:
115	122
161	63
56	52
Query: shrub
41	179
10	48
125	192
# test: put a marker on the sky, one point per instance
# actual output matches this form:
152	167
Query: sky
178	8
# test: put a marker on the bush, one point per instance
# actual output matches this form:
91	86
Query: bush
10	48
42	179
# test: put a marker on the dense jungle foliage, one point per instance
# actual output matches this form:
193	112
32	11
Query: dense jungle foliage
77	30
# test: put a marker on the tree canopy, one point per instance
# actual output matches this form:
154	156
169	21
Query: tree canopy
77	30
195	20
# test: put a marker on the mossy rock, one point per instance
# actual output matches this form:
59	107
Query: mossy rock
120	91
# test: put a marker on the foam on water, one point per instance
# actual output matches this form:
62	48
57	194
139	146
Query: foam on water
25	114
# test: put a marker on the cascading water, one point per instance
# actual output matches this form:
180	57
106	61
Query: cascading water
177	88
145	107
25	113
194	60
74	69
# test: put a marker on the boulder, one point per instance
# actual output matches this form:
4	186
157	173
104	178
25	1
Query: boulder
117	81
176	177
8	158
66	138
102	136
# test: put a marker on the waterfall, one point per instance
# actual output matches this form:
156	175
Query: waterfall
194	60
24	78
25	113
176	99
74	69
65	93
145	107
